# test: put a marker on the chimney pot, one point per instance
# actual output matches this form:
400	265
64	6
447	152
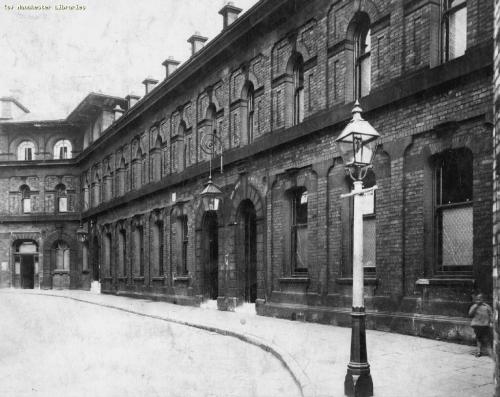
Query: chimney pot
170	66
229	14
131	100
149	83
197	41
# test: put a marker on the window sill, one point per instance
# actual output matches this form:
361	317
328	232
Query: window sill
348	280
122	278
295	280
60	271
158	278
138	278
185	277
449	281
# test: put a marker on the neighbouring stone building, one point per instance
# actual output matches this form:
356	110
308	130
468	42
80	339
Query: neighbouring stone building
276	87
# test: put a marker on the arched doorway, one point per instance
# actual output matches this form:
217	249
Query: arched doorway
247	247
25	263
210	255
95	260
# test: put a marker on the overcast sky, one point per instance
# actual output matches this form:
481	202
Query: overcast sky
50	60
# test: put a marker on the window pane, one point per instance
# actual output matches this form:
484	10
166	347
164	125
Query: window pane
301	249
369	243
63	204
456	177
85	258
457	33
66	259
365	75
27	205
456	238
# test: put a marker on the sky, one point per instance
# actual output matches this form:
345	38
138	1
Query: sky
50	60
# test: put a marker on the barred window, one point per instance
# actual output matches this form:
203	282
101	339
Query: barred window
453	211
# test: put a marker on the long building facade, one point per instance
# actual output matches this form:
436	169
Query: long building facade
265	100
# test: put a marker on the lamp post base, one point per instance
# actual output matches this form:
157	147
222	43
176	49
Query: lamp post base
358	380
358	384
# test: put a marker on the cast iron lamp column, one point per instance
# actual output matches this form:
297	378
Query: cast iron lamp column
213	197
357	146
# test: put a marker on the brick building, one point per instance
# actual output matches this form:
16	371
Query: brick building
276	87
496	202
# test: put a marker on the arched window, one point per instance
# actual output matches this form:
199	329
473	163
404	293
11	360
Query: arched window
362	79
122	253
26	151
250	111
62	255
454	29
25	199
298	93
299	230
108	263
62	150
61	198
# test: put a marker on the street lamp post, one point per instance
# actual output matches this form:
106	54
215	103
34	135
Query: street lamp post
357	144
212	196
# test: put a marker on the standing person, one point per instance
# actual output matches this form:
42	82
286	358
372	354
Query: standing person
481	314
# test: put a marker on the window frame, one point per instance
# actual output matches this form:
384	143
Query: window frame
63	144
363	35
250	112
26	145
66	254
447	12
296	196
298	91
439	207
26	199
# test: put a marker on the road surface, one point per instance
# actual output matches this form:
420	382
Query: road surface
58	347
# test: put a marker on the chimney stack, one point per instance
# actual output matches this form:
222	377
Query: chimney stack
149	83
229	14
118	111
197	42
170	66
131	100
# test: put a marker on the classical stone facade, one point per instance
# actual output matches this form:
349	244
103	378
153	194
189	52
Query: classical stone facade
276	87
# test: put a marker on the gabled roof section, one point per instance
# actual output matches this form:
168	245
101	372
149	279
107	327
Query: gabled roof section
91	105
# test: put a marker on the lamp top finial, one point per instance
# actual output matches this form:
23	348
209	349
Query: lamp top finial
356	111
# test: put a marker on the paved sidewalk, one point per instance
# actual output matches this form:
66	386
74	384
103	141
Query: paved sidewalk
317	355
